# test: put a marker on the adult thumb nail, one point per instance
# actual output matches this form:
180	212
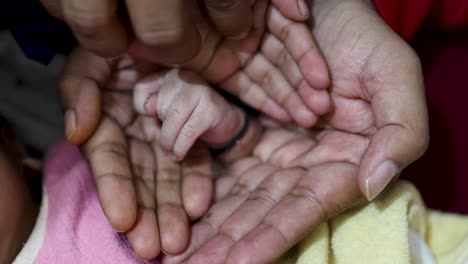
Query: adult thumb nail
380	178
70	124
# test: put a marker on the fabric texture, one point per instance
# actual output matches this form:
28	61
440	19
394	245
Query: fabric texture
407	17
77	230
395	228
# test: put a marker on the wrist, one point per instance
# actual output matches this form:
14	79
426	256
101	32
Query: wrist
243	143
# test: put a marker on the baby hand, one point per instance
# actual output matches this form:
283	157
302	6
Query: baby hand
277	68
188	109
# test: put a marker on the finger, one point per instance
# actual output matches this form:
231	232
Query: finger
79	90
286	156
96	25
208	226
173	221
272	140
107	152
400	114
319	194
197	181
298	40
144	236
293	9
123	80
247	216
224	61
232	18
225	183
334	146
183	117
118	106
145	94
317	100
125	74
242	86
164	27
277	87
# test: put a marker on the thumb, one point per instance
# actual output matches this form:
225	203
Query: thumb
79	90
400	112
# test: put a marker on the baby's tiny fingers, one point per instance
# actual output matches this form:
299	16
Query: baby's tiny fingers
145	94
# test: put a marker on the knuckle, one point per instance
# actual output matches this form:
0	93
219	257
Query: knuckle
189	131
264	196
310	195
281	58
240	189
171	115
285	33
116	149
267	78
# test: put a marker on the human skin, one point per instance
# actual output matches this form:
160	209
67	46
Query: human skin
165	27
19	212
378	97
87	76
377	127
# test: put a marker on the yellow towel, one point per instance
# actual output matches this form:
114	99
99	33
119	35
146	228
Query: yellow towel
395	228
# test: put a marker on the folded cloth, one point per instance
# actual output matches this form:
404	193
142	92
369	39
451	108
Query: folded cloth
71	227
395	228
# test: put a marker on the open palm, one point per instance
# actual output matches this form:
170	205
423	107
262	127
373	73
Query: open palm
268	203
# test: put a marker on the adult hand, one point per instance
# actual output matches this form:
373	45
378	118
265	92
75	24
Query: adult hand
279	71
267	203
233	18
140	186
164	26
377	127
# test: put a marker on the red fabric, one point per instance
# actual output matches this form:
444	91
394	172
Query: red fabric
406	17
442	173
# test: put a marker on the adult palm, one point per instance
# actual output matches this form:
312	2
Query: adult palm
266	204
139	185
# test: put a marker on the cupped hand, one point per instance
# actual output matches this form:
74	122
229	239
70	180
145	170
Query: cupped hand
142	190
267	203
377	89
297	180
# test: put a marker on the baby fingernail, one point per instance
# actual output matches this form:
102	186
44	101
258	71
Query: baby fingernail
380	178
150	104
70	123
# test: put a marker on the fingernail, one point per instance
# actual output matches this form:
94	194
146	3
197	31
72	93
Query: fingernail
150	104
241	36
380	178
303	8
70	123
